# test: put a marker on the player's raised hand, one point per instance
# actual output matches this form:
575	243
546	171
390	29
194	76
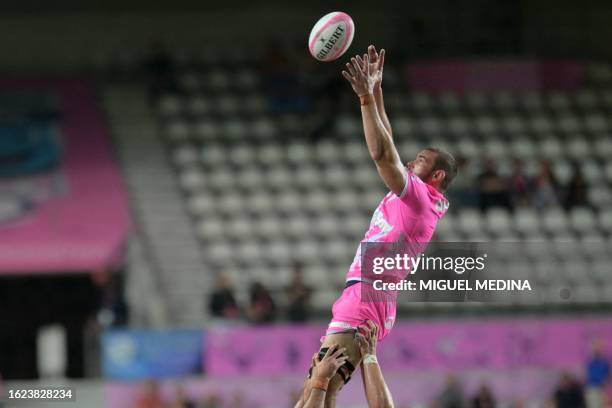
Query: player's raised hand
330	363
377	63
368	340
359	76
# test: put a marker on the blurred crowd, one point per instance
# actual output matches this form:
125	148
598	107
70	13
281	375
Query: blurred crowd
261	307
489	188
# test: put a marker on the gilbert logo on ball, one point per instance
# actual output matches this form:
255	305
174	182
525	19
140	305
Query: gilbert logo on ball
331	36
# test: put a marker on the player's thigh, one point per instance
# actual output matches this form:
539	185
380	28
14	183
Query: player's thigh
346	340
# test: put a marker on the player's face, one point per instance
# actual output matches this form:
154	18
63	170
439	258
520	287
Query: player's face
422	166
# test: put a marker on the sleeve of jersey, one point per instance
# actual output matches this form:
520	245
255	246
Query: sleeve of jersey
413	188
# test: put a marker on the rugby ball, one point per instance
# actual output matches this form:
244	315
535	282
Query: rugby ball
331	36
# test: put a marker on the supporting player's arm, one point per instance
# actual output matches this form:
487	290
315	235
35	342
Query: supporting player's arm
322	372
378	139
376	390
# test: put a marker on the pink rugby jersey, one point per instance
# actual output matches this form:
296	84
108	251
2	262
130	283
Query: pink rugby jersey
411	217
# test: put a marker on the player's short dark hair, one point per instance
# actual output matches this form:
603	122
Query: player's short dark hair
444	161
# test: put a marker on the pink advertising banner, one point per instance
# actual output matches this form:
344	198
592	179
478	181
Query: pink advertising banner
79	219
415	346
461	76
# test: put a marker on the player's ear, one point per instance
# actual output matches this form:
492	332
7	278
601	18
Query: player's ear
438	176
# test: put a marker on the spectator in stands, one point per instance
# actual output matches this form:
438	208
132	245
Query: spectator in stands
576	194
519	184
597	377
452	394
569	393
483	398
298	293
150	397
545	192
464	192
262	308
493	189
181	399
222	301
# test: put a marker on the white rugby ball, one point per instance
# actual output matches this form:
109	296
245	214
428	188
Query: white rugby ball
331	36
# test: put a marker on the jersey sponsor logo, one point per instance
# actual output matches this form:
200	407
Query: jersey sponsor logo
389	321
441	205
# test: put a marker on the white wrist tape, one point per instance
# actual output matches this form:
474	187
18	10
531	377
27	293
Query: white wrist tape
370	359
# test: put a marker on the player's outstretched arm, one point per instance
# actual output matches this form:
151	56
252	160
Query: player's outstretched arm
374	385
379	140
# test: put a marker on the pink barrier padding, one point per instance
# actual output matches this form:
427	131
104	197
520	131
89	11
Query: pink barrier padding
491	76
500	345
84	228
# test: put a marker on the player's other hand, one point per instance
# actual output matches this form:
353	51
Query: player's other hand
330	363
377	62
367	339
360	77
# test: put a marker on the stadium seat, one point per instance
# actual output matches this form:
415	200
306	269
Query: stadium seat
582	220
603	147
246	79
250	178
317	202
562	170
586	99
205	130
288	202
213	155
307	177
241	155
192	179
222	179
185	155
558	100
551	148
570	125
513	124
270	155
554	221
449	102
297	226
268	227
279	179
356	153
526	221
202	205
605	220
504	101
210	229
199	106
578	147
470	221
306	250
596	123
263	128
170	106
259	203
348	126
498	221
239	228
178	131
